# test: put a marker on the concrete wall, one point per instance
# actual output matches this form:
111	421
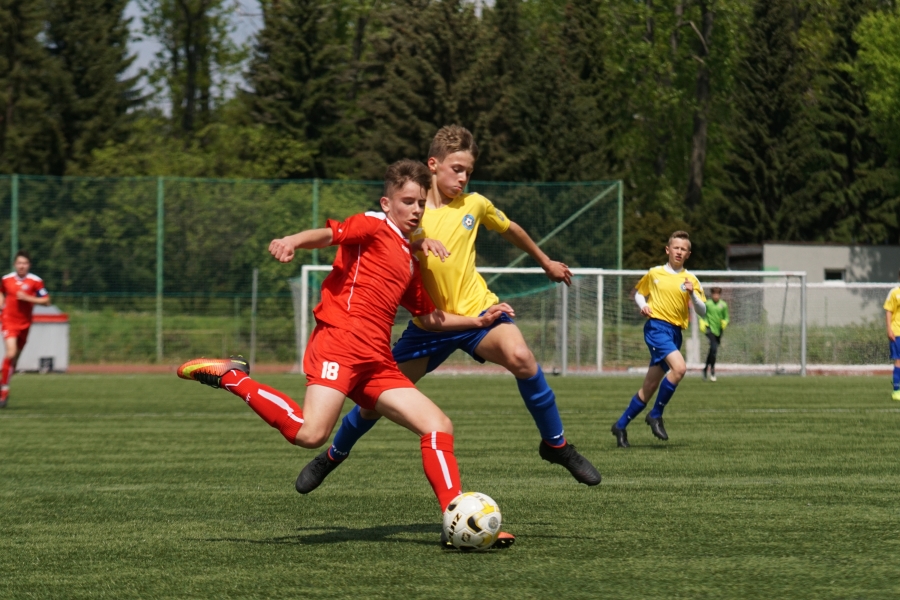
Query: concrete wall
835	304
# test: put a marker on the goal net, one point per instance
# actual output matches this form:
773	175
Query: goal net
779	323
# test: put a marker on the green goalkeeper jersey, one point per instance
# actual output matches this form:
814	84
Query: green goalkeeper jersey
716	316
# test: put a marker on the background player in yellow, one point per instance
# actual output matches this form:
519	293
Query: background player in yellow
664	295
892	320
452	217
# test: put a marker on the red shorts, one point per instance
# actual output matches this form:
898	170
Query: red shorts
16	331
338	359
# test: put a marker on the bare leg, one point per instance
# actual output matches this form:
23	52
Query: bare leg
321	409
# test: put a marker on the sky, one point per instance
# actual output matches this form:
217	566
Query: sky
248	21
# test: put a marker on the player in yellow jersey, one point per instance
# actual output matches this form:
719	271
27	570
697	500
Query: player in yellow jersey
892	320
452	217
664	296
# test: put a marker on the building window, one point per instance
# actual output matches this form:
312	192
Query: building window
835	274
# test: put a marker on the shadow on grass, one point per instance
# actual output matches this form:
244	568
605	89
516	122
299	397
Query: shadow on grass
338	535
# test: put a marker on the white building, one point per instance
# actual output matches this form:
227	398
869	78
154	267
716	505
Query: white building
832	270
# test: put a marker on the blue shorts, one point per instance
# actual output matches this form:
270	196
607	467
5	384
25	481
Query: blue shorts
895	348
662	338
439	345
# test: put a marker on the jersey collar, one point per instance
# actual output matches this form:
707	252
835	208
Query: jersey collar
396	229
669	269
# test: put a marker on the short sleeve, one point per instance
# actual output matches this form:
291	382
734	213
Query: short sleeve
41	291
356	229
698	288
493	218
416	299
643	286
891	302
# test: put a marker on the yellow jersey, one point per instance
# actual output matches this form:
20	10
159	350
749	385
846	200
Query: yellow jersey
666	295
893	304
454	285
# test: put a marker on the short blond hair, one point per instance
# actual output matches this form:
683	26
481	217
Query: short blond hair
450	139
680	235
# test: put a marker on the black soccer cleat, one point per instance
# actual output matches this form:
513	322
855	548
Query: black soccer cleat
315	472
209	371
580	467
656	426
621	437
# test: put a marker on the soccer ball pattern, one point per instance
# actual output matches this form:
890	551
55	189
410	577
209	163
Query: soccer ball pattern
472	521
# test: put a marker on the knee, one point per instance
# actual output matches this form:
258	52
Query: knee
677	374
309	438
520	362
443	424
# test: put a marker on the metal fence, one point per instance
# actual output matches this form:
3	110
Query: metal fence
158	269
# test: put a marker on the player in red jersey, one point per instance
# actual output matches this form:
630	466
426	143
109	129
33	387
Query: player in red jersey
19	293
349	353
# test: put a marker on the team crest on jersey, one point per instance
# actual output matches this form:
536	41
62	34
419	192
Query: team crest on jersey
468	222
683	289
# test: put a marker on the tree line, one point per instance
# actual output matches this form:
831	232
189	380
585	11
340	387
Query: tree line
741	122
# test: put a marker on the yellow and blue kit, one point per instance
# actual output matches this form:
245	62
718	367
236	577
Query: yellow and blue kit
663	290
453	284
892	305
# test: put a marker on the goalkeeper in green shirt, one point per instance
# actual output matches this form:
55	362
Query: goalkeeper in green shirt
714	324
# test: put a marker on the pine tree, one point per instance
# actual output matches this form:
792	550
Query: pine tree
860	186
416	80
30	137
299	80
87	40
774	146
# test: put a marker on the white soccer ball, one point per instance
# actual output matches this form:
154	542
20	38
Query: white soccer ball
472	521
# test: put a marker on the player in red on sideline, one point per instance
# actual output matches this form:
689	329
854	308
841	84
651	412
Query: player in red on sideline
19	293
349	351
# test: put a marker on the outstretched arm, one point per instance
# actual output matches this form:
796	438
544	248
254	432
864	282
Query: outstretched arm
283	248
443	321
519	238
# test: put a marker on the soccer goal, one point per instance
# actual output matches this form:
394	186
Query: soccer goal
594	326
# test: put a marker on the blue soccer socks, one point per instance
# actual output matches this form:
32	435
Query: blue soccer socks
666	389
633	410
353	427
896	378
541	403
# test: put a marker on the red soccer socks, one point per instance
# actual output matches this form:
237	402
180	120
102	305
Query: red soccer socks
6	371
275	408
440	466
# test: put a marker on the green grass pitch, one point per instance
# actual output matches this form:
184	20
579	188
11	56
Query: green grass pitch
152	487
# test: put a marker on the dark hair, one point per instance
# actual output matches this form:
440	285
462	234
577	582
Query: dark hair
450	139
403	171
715	290
23	254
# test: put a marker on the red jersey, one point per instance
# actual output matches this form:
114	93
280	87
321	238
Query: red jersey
374	273
17	313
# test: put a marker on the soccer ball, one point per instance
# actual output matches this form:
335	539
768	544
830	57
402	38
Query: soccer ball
472	521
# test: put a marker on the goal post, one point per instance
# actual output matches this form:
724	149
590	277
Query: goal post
594	327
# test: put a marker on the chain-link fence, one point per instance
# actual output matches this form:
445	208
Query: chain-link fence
160	269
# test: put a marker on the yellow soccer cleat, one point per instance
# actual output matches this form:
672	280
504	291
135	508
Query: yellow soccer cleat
895	395
209	371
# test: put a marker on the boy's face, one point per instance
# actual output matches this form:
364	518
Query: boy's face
716	295
405	206
678	250
22	266
453	172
